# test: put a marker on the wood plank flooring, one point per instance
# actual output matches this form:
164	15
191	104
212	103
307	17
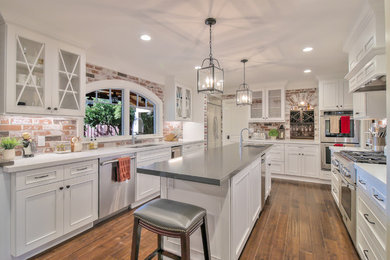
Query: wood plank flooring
300	221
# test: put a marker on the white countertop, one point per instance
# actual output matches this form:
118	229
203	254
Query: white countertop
285	141
51	159
378	171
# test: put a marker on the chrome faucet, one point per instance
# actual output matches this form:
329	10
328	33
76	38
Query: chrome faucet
242	130
134	134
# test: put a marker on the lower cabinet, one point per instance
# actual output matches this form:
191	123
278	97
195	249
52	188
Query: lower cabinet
148	185
302	161
246	204
51	208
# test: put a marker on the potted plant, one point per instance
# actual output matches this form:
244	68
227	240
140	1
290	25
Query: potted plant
9	144
273	133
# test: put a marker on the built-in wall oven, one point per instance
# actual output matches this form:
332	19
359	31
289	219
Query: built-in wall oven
329	138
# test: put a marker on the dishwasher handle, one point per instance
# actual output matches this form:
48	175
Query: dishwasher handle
114	161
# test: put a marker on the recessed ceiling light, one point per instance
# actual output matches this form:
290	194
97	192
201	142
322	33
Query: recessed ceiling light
145	37
197	67
307	71
307	49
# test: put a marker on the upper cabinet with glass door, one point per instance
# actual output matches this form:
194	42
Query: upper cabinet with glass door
178	101
31	83
268	105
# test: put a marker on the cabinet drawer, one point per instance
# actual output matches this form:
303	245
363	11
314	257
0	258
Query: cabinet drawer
277	167
149	155
80	169
33	178
364	249
193	147
152	160
374	227
276	155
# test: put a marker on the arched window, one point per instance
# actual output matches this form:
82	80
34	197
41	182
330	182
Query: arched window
116	108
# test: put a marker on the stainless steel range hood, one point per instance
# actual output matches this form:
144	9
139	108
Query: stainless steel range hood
376	84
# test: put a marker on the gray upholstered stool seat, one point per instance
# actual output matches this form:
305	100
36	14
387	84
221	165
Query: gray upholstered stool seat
170	215
174	219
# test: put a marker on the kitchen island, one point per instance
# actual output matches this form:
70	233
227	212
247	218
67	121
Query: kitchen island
226	181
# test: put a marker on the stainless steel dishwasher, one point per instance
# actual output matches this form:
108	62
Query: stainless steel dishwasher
115	196
263	170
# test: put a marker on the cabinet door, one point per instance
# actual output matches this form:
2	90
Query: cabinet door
293	162
255	192
68	97
329	94
179	102
80	202
38	217
359	105
275	104
188	104
347	98
268	181
258	106
240	211
147	185
28	86
310	162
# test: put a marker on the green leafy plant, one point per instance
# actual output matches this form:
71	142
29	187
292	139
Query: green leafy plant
104	114
273	132
9	143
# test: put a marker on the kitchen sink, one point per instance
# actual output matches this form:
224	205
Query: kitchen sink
255	145
143	145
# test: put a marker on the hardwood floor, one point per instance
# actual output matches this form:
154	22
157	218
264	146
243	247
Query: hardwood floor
300	221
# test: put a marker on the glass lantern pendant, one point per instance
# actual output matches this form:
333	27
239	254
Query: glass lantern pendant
244	94
210	75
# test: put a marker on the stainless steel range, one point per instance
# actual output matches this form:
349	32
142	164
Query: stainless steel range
343	164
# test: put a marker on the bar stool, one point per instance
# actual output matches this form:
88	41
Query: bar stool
173	219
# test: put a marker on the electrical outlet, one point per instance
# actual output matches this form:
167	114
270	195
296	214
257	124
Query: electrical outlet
41	141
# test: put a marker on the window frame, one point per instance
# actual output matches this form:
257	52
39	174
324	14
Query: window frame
127	87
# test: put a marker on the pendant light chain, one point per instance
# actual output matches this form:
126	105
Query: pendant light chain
244	74
211	49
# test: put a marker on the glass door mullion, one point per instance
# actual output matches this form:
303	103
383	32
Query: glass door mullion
30	72
69	77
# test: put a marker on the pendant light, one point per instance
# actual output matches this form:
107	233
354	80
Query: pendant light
210	75
244	94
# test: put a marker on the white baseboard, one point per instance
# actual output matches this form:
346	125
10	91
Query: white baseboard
300	178
144	200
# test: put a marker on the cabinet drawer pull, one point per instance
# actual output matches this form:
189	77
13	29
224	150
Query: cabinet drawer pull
362	182
82	169
67	186
377	197
365	251
41	177
61	188
369	221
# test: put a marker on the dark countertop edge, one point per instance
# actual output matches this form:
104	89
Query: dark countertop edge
198	179
179	176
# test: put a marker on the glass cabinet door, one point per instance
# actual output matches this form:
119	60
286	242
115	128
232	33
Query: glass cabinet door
30	73
69	80
188	103
257	107
179	102
275	103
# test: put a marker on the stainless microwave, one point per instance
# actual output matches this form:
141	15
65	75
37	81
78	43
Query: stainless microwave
327	137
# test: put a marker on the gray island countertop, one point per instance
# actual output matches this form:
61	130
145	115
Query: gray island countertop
212	166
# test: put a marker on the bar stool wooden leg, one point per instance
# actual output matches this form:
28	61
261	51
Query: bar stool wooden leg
185	246
136	239
205	239
159	247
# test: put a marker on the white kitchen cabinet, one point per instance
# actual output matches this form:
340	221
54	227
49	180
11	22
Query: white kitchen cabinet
148	186
369	105
268	105
334	95
255	191
302	160
268	178
38	217
42	75
276	159
246	205
50	205
178	101
80	202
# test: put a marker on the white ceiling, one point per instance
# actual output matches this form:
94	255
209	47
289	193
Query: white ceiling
270	33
